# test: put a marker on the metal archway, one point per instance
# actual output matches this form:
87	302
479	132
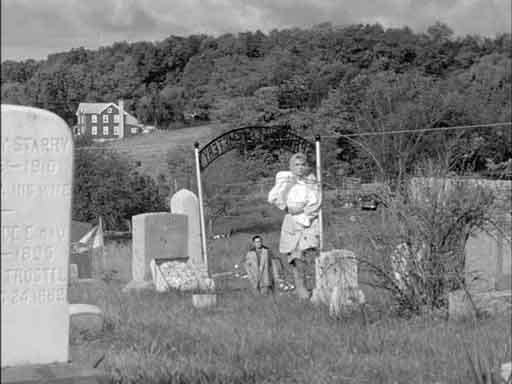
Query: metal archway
253	135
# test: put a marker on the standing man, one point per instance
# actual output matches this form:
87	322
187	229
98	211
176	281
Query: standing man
300	228
261	267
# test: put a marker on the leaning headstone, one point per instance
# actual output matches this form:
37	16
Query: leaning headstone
37	163
186	202
159	235
337	280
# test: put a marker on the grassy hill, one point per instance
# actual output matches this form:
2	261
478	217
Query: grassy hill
151	149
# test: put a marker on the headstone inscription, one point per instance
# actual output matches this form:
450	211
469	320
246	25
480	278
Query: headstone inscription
36	167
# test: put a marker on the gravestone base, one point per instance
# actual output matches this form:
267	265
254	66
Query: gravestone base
137	285
61	373
181	276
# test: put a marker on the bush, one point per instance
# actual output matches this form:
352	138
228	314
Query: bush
421	241
105	185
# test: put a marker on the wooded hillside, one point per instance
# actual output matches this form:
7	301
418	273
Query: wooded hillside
326	79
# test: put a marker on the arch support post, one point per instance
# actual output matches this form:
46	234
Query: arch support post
319	181
201	208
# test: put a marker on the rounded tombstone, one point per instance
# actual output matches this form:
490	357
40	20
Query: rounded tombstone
86	318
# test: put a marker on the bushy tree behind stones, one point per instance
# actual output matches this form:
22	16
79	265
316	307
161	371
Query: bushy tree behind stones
105	185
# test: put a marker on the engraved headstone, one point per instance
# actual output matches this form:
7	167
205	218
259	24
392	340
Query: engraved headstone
37	163
186	202
158	235
337	280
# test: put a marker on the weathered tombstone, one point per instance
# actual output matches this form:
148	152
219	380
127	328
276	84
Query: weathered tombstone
86	318
159	235
37	164
488	261
487	276
186	202
337	280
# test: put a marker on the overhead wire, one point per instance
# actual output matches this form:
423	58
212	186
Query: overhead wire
336	136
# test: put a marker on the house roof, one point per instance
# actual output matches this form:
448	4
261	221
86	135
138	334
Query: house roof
100	107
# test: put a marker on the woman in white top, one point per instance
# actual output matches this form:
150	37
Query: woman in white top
297	193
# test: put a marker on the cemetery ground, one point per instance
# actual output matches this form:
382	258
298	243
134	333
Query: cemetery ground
154	337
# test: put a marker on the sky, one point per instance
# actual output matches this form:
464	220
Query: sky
36	28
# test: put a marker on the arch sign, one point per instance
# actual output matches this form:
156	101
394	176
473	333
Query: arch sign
279	136
282	136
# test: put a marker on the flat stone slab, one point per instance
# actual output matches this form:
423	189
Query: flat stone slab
136	285
53	374
204	300
179	275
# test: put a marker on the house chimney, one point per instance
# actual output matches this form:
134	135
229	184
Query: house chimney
121	119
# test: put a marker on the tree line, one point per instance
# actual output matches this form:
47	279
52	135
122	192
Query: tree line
326	79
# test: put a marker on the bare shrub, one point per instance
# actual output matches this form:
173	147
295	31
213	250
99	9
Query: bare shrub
416	253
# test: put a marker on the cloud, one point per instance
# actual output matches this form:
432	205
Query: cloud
34	28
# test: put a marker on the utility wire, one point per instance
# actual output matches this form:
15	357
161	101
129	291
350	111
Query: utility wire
338	136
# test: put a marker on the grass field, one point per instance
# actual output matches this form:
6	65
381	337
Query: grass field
161	338
151	149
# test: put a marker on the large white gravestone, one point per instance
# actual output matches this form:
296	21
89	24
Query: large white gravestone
37	163
186	202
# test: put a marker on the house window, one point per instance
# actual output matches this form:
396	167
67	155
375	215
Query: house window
94	118
116	131
109	110
105	130
105	118
116	118
94	130
134	130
